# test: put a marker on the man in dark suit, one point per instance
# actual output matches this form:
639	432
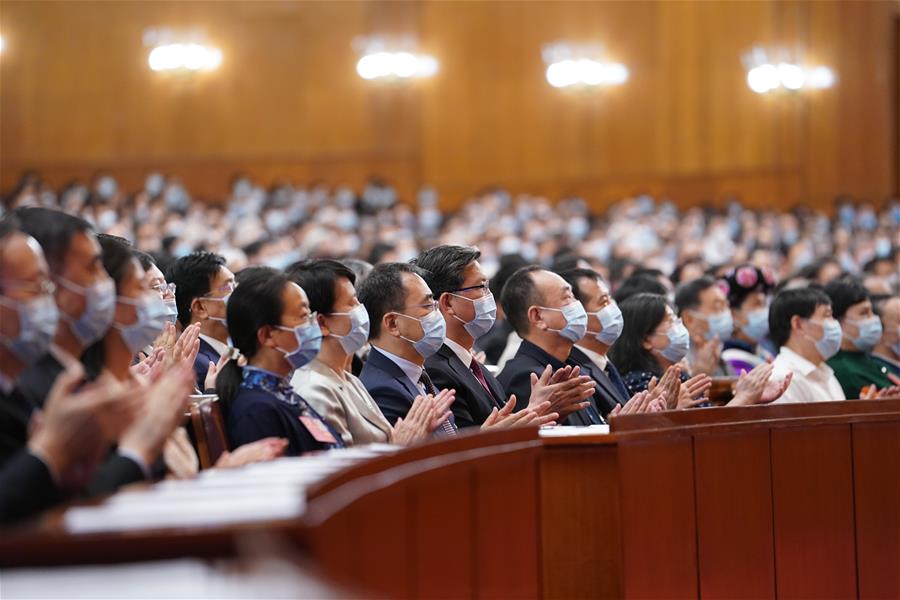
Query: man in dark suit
542	309
202	286
405	328
85	294
467	305
603	328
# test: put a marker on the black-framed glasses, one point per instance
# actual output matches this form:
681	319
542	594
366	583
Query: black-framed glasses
485	289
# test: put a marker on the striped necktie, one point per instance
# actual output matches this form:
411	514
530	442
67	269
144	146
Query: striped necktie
448	427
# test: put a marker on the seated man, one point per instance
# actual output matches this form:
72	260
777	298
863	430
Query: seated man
704	310
604	325
467	305
405	328
542	309
202	286
853	364
802	326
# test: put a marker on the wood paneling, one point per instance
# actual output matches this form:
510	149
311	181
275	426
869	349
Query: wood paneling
76	96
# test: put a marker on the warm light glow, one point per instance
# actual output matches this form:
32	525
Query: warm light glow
402	65
191	57
1	44
765	76
580	65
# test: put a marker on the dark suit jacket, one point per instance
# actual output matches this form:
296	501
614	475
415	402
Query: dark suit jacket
34	386
205	355
516	379
493	343
255	414
34	383
608	394
26	487
15	413
473	403
389	386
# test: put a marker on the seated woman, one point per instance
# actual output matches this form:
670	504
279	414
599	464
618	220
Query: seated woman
853	364
270	322
652	340
748	291
326	382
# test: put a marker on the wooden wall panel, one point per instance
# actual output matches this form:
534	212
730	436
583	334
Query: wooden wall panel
76	96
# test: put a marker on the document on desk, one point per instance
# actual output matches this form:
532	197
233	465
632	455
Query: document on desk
569	431
268	491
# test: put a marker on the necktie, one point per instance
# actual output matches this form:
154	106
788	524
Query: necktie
617	381
448	428
479	375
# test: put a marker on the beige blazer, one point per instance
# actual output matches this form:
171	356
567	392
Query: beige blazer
344	404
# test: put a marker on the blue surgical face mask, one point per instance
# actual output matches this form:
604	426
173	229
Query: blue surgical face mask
100	305
223	300
356	338
720	324
869	335
679	343
171	310
757	326
576	321
830	342
434	329
309	340
612	323
151	320
485	315
37	326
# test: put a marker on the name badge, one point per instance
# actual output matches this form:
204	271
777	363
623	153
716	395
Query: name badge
318	430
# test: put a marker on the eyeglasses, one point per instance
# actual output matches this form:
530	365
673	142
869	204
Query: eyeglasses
431	306
44	286
482	287
164	289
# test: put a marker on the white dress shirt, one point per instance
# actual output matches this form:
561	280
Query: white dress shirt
811	383
461	353
410	369
601	360
220	348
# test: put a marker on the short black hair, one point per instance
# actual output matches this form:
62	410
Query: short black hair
192	276
801	302
255	303
642	314
444	267
318	279
639	284
844	293
146	260
8	226
567	261
518	295
117	253
509	264
53	230
573	276
679	269
382	292
687	296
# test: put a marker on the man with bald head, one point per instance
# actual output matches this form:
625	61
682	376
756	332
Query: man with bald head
542	309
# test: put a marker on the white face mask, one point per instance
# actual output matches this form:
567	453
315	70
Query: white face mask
485	314
433	332
358	334
576	321
611	321
152	317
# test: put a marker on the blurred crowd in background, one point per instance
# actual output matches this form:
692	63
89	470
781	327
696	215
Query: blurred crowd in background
282	224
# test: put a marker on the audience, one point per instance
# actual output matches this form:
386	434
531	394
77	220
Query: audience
704	310
541	308
747	289
328	386
101	343
203	285
853	364
394	373
270	322
807	334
